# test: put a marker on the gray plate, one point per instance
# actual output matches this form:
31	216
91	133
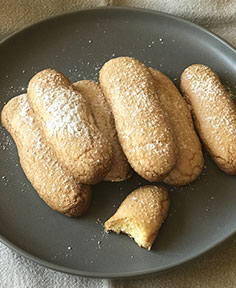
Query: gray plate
202	214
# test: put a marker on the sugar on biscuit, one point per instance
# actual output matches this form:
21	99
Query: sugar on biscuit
54	184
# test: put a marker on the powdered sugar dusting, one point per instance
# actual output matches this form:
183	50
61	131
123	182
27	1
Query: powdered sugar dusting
65	107
140	121
216	106
24	110
65	188
103	117
69	127
140	94
189	160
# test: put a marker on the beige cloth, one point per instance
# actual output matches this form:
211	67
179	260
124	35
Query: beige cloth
15	14
216	269
217	15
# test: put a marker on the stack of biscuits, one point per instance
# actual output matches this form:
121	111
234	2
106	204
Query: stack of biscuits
70	136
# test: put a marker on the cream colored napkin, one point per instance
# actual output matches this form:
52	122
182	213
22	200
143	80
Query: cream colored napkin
15	14
216	269
218	16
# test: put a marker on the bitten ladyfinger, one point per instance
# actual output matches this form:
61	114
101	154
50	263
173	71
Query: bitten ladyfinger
190	160
141	215
69	127
54	184
214	114
120	169
143	131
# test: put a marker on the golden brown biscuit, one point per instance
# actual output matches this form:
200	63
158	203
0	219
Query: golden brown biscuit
54	184
214	114
69	127
190	160
143	131
120	169
141	215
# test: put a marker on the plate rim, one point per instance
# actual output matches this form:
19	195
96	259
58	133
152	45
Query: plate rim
117	8
113	275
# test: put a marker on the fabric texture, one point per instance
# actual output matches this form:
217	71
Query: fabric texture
215	269
19	272
219	16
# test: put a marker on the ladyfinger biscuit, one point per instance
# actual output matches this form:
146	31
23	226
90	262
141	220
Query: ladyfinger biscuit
141	215
69	127
214	114
190	160
120	169
54	184
143	131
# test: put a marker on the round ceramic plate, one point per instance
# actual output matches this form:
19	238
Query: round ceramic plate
201	214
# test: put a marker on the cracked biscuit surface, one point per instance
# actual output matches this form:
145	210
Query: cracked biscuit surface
120	169
144	134
54	184
141	215
214	114
190	160
69	127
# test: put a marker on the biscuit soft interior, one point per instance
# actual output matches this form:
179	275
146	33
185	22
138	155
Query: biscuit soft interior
133	230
